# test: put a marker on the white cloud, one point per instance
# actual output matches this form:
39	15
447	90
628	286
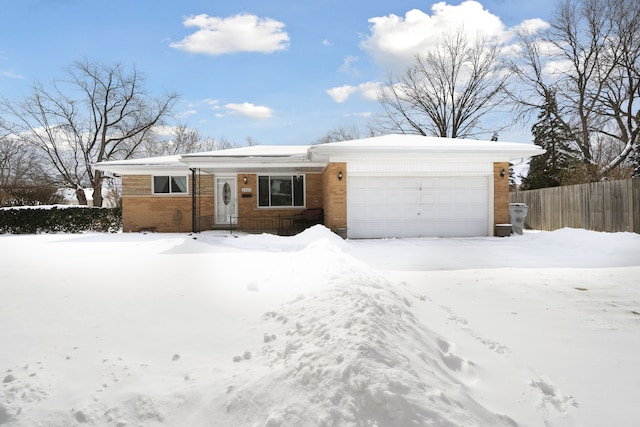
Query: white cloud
238	33
11	75
326	42
209	102
164	131
364	114
557	68
249	110
394	41
368	91
347	65
187	113
532	25
342	93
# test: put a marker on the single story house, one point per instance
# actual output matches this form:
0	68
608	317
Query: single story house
385	186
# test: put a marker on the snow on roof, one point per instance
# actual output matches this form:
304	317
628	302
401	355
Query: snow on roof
255	151
147	161
143	165
423	144
314	155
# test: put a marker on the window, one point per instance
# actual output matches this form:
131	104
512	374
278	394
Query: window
281	191
169	184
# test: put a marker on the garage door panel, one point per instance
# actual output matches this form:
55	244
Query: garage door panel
377	215
393	197
427	198
397	206
412	197
443	214
468	213
470	198
444	197
412	182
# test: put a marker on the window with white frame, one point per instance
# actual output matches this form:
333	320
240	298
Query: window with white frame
280	190
170	184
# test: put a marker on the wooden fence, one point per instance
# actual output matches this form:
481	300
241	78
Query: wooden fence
600	206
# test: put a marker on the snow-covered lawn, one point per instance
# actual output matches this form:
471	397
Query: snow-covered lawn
259	330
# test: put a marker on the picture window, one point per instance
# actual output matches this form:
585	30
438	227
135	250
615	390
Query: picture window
281	191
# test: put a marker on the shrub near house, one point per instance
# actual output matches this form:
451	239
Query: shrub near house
63	219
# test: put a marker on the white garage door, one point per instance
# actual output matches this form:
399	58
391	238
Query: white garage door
393	206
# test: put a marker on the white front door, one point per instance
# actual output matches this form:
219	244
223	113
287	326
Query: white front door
226	200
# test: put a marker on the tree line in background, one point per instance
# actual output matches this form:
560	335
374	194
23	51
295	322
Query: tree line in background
52	138
579	78
582	77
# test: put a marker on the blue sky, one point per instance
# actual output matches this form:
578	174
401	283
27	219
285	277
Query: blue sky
278	71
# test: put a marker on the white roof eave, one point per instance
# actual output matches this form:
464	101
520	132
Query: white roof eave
316	157
401	147
459	155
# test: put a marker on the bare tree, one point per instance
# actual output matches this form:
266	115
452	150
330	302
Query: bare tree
16	162
447	91
179	139
100	112
21	178
250	141
343	134
590	60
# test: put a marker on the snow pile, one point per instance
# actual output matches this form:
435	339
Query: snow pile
312	330
353	353
312	235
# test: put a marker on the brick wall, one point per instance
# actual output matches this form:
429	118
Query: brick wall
500	193
163	213
170	213
334	195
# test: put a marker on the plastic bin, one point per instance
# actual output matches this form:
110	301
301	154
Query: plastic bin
503	230
517	214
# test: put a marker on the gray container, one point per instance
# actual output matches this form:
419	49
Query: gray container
517	214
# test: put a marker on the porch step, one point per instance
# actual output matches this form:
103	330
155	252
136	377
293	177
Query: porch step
224	227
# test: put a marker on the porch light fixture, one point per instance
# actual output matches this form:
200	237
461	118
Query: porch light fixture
340	176
503	173
244	179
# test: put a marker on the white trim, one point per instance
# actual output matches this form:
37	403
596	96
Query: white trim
407	147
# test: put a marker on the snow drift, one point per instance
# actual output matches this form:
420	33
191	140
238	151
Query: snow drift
312	330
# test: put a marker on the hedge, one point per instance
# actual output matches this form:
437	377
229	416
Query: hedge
54	219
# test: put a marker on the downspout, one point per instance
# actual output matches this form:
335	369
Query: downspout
194	228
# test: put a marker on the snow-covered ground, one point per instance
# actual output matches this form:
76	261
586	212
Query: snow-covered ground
259	330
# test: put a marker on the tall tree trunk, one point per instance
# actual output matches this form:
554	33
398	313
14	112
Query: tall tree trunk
97	188
81	196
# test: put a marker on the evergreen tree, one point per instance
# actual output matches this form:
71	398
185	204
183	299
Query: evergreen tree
553	167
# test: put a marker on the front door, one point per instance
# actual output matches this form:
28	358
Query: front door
226	200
